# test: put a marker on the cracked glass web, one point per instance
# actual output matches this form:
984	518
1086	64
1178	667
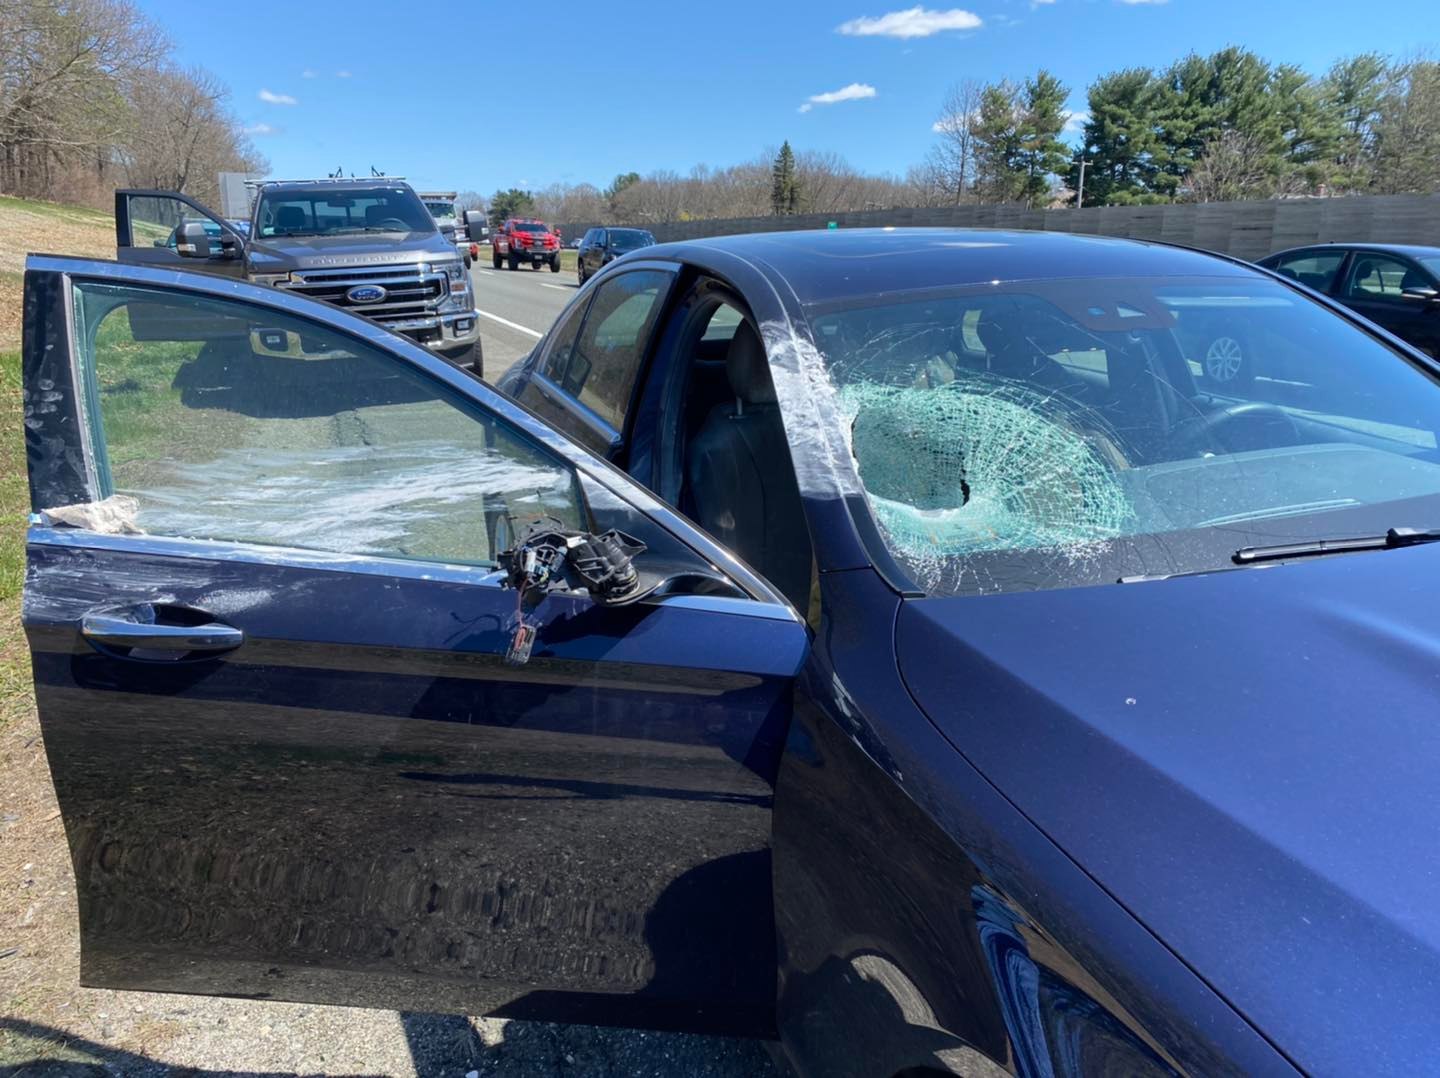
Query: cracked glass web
979	464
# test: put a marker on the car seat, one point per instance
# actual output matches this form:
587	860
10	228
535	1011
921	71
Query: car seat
740	479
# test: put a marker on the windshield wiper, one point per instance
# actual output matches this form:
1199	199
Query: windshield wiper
1311	548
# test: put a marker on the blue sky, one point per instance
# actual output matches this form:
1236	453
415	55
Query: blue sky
529	94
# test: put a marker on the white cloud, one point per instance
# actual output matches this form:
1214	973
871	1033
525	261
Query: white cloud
307	74
272	98
260	129
912	22
856	91
342	74
1075	121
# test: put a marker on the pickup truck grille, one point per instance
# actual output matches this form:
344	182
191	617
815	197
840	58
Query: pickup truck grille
409	292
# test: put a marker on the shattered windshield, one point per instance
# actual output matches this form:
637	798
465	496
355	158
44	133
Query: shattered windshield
1056	433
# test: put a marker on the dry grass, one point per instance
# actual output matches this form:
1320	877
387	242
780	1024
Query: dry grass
46	228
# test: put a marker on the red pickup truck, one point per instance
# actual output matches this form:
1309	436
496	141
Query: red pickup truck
523	239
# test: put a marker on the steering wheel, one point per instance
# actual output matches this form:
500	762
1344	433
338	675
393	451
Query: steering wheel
392	223
1240	427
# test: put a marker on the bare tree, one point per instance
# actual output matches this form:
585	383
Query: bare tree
950	167
67	71
183	135
1234	166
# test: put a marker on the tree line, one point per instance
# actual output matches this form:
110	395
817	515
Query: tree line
91	99
1227	126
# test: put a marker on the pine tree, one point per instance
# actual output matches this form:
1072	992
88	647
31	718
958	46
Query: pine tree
784	184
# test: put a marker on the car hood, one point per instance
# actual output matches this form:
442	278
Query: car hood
1249	761
278	254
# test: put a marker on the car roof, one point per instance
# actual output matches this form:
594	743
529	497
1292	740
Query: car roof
837	264
1413	250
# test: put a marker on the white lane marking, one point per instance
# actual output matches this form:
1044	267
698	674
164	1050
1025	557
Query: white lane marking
557	287
487	273
513	325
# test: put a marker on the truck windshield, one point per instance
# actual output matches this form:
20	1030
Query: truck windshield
440	210
531	226
1049	434
321	212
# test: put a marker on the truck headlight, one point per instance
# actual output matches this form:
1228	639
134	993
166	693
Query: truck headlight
458	287
275	279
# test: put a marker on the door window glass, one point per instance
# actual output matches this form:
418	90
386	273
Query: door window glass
155	221
606	359
232	422
1377	277
1315	269
563	344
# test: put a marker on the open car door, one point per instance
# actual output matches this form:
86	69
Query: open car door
149	231
269	645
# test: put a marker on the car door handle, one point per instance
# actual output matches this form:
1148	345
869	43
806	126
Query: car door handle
116	631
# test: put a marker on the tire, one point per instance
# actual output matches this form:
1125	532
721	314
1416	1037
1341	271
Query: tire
1227	361
580	274
468	262
512	263
472	359
495	261
555	264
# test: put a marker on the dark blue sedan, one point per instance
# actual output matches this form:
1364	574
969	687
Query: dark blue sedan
987	689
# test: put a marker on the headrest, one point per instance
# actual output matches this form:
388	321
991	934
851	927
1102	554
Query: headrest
288	217
747	367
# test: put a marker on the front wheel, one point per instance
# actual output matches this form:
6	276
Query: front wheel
555	264
513	263
471	359
495	261
580	273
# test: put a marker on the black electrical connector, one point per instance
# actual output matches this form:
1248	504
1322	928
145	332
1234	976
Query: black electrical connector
551	558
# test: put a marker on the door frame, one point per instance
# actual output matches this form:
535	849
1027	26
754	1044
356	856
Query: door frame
55	442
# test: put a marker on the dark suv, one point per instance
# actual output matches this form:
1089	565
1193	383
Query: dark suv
604	245
1396	286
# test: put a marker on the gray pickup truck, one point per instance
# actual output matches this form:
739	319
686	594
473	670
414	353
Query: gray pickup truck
369	246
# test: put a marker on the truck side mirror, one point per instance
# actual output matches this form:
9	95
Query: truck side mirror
194	241
1420	294
476	224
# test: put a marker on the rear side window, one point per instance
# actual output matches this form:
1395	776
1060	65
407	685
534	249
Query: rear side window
1315	269
606	359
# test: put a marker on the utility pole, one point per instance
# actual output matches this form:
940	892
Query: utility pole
1080	194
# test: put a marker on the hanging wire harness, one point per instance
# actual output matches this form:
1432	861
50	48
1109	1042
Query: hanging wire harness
552	558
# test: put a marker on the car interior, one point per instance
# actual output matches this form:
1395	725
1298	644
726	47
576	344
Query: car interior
718	463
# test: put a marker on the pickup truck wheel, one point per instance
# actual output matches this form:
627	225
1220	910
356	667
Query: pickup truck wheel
555	264
513	263
471	359
495	261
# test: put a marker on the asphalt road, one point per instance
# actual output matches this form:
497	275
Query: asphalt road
516	308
